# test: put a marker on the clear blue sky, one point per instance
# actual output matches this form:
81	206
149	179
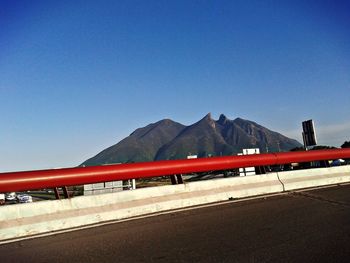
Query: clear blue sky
78	76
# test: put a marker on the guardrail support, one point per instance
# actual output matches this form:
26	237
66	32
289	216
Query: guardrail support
65	192
179	179
57	194
173	179
176	179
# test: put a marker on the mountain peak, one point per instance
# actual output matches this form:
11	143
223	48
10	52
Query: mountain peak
222	119
207	117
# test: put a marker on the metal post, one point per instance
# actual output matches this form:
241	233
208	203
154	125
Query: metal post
57	194
65	191
173	179
304	140
179	179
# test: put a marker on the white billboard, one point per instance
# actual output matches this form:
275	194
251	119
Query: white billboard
248	170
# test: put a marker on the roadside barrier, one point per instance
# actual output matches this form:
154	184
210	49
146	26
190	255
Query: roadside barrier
30	180
32	219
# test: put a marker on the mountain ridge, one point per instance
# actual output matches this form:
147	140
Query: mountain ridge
167	140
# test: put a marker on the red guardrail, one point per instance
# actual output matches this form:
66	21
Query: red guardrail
29	180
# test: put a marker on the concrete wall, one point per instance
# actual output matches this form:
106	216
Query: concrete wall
22	220
315	177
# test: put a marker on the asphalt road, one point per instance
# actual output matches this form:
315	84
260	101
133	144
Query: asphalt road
311	226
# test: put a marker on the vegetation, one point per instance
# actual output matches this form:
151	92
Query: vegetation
323	147
346	144
317	147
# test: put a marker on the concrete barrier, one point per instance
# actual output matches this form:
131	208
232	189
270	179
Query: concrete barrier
314	177
22	220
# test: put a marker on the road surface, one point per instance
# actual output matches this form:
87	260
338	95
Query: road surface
308	226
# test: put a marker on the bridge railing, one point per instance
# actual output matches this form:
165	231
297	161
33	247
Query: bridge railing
40	179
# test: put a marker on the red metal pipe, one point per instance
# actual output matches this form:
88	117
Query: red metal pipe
28	180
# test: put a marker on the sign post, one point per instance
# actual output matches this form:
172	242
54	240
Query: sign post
309	133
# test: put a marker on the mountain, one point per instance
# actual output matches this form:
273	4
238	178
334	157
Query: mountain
141	145
201	138
167	140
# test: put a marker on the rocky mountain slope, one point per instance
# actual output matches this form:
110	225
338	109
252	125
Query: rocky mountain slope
167	140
